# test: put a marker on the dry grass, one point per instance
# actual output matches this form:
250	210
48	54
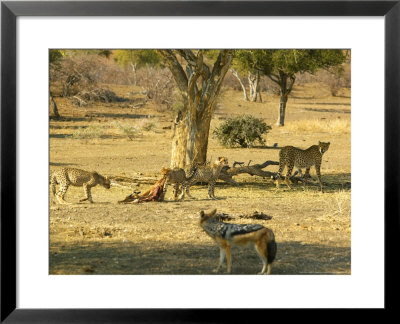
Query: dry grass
334	126
313	230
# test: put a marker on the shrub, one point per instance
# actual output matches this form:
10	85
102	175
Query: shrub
89	132
127	130
149	126
242	131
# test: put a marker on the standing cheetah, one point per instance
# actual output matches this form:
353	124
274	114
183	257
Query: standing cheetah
76	177
291	156
208	174
175	177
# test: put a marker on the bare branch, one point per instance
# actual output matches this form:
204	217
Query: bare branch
176	69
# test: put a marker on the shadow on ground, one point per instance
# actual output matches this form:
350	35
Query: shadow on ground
61	164
327	103
331	182
336	111
165	258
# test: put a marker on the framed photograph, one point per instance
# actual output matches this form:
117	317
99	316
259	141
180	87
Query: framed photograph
143	141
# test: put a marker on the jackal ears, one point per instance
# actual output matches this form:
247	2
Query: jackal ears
203	214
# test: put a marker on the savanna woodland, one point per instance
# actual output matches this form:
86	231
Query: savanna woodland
143	141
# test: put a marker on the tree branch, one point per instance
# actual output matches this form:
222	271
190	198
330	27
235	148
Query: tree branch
292	79
256	169
176	69
274	78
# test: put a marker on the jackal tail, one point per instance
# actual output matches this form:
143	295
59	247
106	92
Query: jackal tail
271	249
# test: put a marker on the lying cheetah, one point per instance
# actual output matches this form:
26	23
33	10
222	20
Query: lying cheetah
294	157
208	174
175	177
76	177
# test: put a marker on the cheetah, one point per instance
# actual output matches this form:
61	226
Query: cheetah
208	174
291	156
76	177
175	177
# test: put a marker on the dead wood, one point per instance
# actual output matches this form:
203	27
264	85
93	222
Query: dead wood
256	169
256	215
222	217
298	179
79	101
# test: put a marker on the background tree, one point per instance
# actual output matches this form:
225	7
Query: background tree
55	57
199	85
247	62
136	59
281	66
236	74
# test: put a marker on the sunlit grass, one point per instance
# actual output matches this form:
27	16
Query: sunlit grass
335	126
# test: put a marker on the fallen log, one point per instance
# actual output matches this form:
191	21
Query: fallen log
256	169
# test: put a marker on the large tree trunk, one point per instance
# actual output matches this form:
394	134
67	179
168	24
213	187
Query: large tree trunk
201	146
183	150
199	86
179	140
286	83
191	140
235	74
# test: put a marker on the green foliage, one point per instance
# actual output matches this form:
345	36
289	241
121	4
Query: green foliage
288	61
105	53
100	52
242	131
138	58
55	56
253	60
55	59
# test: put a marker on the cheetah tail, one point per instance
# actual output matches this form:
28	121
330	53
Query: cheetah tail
192	174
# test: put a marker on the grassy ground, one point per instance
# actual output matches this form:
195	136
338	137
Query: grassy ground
312	229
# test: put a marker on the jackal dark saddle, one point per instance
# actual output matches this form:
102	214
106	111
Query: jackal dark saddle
227	230
237	229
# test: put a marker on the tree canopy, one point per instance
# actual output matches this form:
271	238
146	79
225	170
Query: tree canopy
137	57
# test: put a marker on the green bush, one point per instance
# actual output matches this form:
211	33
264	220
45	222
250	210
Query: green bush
242	131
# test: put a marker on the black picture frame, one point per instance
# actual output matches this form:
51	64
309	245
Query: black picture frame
10	10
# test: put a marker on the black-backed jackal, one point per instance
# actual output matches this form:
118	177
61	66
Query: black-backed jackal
227	235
